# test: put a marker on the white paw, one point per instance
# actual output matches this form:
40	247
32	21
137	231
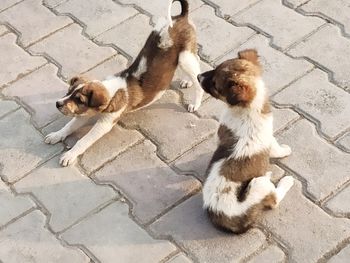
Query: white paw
54	137
286	183
184	84
286	150
68	158
193	107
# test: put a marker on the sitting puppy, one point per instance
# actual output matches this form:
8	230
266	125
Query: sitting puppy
238	186
172	43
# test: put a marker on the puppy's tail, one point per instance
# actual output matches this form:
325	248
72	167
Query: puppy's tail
184	10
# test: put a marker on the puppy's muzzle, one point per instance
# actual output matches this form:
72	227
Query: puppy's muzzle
59	104
200	78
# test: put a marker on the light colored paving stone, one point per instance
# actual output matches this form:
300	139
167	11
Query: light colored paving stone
11	205
27	240
282	117
303	227
21	147
72	50
112	236
345	141
149	183
325	102
278	69
282	23
108	68
339	204
189	226
227	8
329	52
130	36
323	166
212	108
97	15
40	90
215	35
295	3
17	61
180	258
66	193
7	3
3	30
33	27
342	257
154	121
7	106
53	3
272	254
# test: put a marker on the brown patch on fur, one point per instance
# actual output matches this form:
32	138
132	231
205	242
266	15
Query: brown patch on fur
226	190
266	109
242	191
270	201
119	101
250	55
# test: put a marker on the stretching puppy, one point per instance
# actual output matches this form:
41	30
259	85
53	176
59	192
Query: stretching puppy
172	43
238	186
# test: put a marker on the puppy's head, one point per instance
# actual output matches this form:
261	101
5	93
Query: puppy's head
235	81
84	97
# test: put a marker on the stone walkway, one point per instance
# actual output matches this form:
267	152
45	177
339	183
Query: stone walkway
135	195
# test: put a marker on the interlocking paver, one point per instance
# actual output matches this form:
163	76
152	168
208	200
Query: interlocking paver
17	61
33	27
189	226
3	30
282	117
65	192
53	3
7	106
180	258
295	3
8	3
282	23
97	15
108	68
112	236
148	182
39	90
72	50
21	147
269	255
299	223
345	141
154	121
27	240
11	205
322	165
339	204
342	257
320	99
227	8
327	47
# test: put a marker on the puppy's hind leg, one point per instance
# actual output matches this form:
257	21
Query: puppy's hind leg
189	63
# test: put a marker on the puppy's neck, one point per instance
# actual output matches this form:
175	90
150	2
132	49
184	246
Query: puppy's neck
113	84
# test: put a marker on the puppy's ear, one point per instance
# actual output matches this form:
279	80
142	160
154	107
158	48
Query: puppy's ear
250	55
77	80
240	95
97	95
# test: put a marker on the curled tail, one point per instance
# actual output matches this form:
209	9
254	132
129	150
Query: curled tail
184	10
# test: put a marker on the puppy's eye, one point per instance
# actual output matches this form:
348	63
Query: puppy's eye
79	99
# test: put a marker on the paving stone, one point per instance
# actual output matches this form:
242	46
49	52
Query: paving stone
299	222
339	204
7	106
154	121
180	258
11	205
40	91
342	257
149	183
97	15
111	235
3	30
22	147
54	3
66	193
108	68
189	226
33	27
137	30
8	3
323	166
271	254
80	54
345	141
27	240
17	61
278	69
227	8
282	117
284	24
212	108
295	3
325	102
329	52
215	35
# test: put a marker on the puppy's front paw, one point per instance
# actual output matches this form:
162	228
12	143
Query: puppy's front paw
285	150
68	158
54	137
193	107
286	183
184	84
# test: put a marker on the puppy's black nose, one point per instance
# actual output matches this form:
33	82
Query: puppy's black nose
200	78
58	104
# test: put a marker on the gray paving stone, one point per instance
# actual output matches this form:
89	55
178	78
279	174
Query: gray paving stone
53	3
3	30
271	254
329	52
339	204
154	121
7	106
345	141
27	240
215	35
8	3
17	61
227	8
21	147
33	27
278	69
149	183
40	91
325	102
180	258
342	257
66	193
112	236
108	68
212	108
282	23
189	226
80	54
299	223
135	30
323	166
11	205
97	15
295	3
283	117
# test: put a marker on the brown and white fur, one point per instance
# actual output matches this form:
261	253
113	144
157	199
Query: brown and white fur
238	186
172	43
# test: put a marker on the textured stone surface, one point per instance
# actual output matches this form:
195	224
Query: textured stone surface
212	108
80	54
180	258
111	234
149	183
338	204
342	257
189	226
295	3
7	106
8	3
3	30
282	117
227	8
269	255
345	141
108	68
33	27
53	3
